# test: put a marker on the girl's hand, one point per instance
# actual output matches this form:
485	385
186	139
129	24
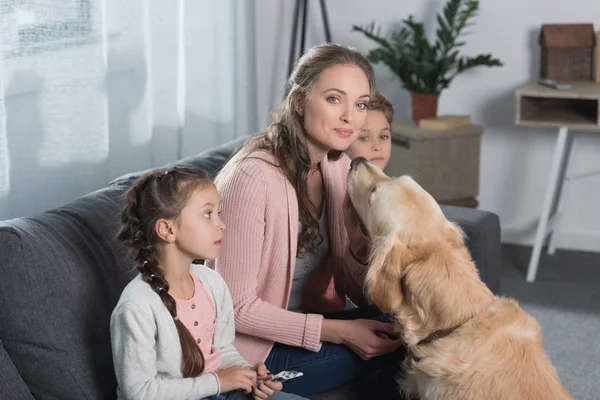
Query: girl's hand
237	377
264	388
261	370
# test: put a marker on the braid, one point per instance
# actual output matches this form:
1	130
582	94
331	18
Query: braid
137	232
193	359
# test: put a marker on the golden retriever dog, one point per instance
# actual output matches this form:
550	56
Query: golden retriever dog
463	342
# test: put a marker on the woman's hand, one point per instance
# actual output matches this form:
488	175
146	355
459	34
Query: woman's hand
237	377
265	387
366	337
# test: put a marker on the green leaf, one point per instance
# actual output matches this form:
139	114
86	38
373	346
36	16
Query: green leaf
368	31
482	59
423	66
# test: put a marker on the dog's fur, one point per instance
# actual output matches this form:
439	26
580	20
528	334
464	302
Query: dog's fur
421	271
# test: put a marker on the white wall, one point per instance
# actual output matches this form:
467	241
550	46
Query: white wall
514	161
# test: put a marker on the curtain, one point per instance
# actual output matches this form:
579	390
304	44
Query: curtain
93	89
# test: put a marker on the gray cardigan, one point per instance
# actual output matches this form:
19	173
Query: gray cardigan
146	348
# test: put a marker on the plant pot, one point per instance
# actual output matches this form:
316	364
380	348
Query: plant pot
424	105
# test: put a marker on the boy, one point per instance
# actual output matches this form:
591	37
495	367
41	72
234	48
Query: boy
374	141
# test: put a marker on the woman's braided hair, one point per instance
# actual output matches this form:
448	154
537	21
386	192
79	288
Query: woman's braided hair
161	194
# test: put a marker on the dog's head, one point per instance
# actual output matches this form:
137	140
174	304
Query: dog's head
394	206
419	267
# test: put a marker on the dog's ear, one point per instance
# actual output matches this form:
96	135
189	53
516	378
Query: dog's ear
454	234
383	281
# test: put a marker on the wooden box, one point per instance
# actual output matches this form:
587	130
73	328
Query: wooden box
567	51
443	162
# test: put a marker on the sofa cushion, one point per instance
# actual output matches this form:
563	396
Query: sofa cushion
12	386
482	230
62	274
211	161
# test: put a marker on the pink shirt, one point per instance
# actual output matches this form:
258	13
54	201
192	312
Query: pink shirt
198	314
257	260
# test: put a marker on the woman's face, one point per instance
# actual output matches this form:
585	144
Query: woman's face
335	110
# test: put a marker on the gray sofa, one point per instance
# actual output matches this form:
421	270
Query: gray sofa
61	274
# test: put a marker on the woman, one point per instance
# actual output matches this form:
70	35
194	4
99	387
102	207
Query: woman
287	259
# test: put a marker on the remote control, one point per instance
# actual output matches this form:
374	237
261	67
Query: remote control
555	85
286	376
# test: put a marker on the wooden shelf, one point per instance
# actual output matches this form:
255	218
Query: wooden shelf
577	108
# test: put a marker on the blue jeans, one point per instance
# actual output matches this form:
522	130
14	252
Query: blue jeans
238	395
335	364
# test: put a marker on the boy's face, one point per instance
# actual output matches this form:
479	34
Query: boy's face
373	142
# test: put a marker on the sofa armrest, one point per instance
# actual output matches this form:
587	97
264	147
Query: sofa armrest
482	229
12	386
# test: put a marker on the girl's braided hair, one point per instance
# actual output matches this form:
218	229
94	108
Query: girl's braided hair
161	194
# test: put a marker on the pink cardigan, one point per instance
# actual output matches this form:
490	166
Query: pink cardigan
257	259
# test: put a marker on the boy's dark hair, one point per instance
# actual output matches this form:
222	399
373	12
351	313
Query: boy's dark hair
379	103
155	195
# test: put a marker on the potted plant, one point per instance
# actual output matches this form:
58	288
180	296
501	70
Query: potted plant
424	68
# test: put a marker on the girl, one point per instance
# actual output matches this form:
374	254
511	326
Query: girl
172	329
291	260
